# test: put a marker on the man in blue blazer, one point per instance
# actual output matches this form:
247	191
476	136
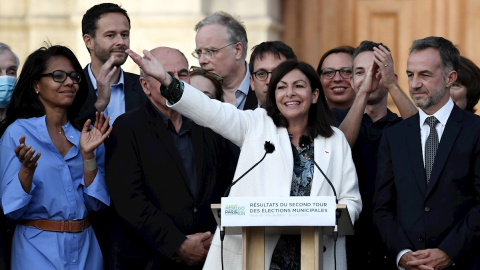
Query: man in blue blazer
427	201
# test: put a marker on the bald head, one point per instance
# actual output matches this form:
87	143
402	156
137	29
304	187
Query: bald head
175	63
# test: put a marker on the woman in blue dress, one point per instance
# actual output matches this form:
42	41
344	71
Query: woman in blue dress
52	168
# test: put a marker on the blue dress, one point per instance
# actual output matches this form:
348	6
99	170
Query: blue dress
58	193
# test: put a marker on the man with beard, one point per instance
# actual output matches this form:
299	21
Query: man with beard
427	189
106	33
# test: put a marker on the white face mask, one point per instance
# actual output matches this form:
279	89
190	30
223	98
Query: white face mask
7	83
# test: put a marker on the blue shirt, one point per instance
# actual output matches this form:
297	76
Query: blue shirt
116	106
242	92
58	193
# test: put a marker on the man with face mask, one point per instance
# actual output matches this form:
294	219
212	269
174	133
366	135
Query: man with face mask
8	75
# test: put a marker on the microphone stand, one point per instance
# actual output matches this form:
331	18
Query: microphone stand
269	148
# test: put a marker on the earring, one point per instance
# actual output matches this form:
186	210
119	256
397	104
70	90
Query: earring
36	92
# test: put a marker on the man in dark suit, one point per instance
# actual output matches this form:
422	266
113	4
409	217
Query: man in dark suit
221	48
106	33
163	173
429	215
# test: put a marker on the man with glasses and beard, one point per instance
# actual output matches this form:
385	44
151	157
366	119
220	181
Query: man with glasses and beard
221	48
106	33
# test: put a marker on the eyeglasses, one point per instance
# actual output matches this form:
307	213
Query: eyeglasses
261	75
329	73
194	69
60	76
208	52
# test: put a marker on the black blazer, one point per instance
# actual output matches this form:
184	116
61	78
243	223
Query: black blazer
446	213
150	192
251	103
134	95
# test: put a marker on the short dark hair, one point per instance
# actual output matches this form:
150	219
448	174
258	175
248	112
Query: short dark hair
278	48
341	49
25	102
320	116
91	17
448	52
469	75
367	46
235	29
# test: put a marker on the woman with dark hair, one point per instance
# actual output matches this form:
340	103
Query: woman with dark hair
207	82
51	166
296	107
335	69
465	92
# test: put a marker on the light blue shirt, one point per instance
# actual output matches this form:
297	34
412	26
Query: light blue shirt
58	193
242	92
116	106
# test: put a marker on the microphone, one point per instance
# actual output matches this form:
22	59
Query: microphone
304	141
269	148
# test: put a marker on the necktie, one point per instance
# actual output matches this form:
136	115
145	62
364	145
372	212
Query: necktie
431	146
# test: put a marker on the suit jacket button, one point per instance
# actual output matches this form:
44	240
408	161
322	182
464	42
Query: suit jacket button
420	239
195	210
427	209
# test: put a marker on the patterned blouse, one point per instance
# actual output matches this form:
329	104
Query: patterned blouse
287	252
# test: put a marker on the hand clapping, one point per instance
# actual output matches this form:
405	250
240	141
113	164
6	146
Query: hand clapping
91	139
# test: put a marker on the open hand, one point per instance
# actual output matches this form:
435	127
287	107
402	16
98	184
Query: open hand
25	155
384	60
104	81
151	66
91	139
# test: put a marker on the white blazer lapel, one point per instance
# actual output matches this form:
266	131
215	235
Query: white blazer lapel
322	155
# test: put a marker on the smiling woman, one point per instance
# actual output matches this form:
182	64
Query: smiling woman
54	175
296	107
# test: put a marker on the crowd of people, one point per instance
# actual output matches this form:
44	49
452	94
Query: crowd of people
105	169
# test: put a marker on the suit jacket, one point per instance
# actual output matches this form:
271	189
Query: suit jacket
134	95
446	213
150	192
251	103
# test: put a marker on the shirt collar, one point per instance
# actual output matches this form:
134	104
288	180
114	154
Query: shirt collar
94	80
245	85
186	122
442	114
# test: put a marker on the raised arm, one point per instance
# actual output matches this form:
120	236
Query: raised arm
350	126
390	82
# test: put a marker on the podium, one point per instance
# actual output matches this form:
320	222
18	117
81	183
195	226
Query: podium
311	237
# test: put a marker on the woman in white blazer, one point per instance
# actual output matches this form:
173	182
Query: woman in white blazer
295	107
